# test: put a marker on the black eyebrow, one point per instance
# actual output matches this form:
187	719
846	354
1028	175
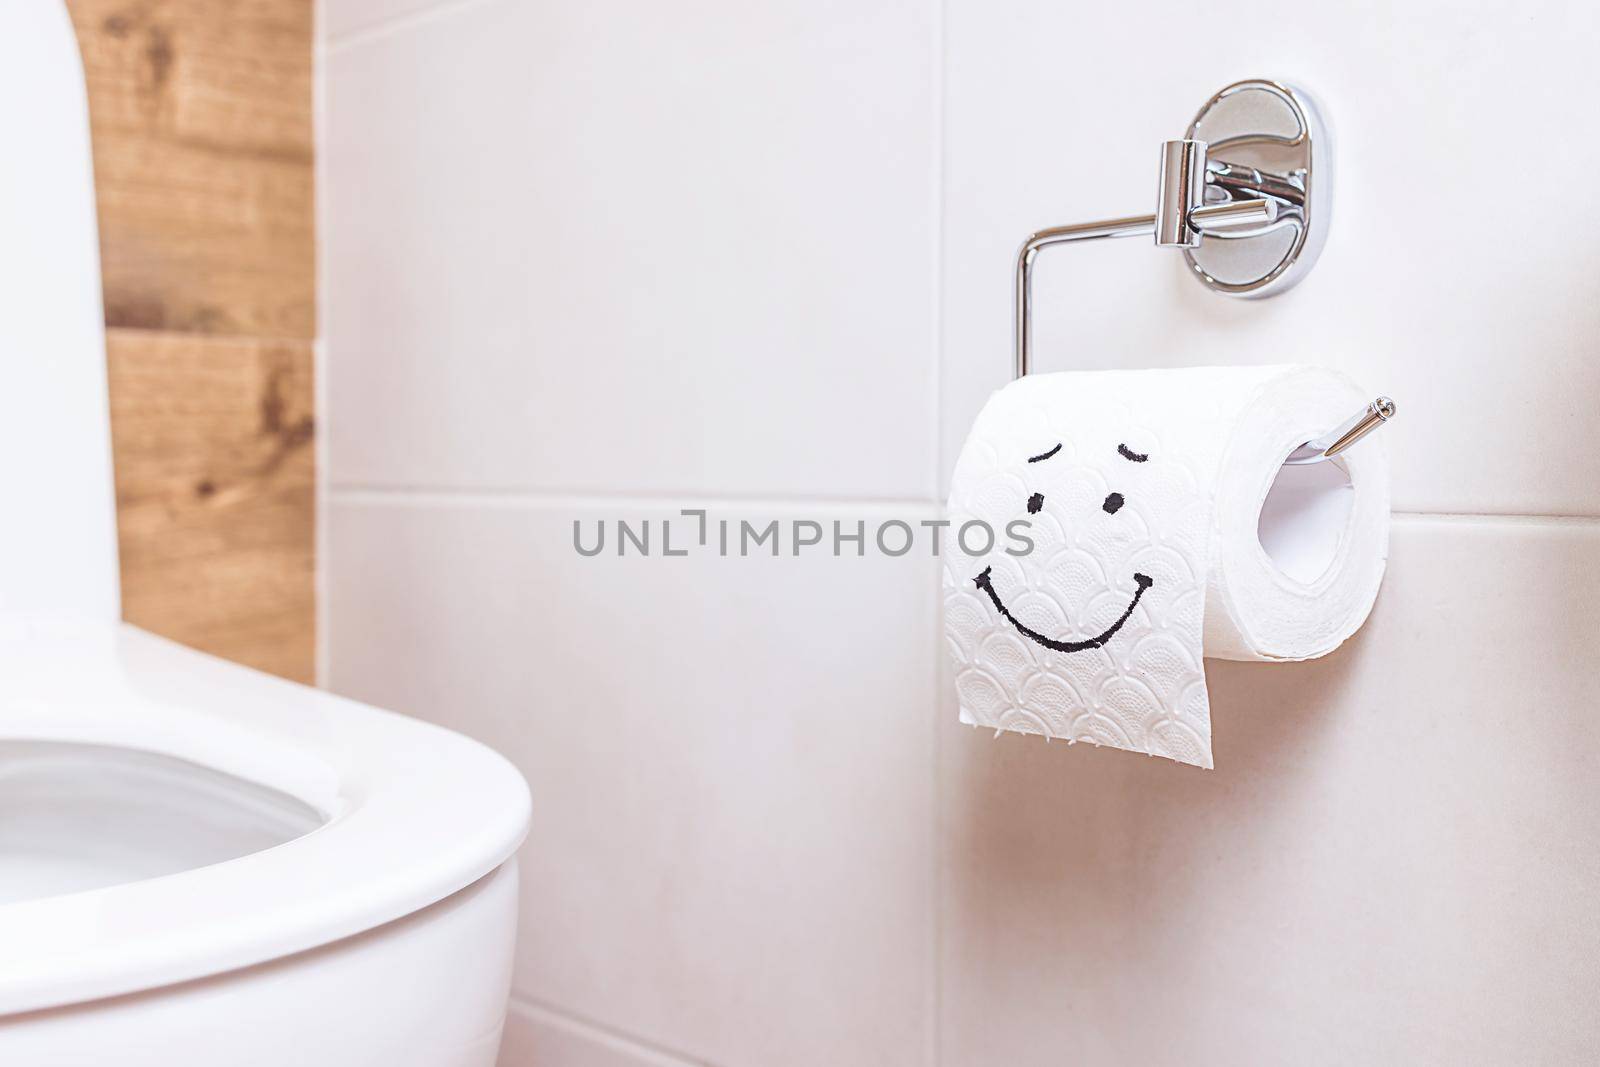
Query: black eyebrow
1044	455
1126	453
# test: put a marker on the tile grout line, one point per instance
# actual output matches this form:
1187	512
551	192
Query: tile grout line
386	27
510	498
506	499
936	257
936	835
606	1036
1522	518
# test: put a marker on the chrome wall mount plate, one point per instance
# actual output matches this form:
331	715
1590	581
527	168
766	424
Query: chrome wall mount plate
1245	196
1263	139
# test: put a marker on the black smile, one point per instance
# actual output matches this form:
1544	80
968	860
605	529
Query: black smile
1143	581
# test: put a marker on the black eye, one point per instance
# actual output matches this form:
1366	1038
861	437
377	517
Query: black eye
1113	502
1035	502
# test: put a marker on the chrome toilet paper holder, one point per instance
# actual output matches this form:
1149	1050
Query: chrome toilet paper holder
1244	195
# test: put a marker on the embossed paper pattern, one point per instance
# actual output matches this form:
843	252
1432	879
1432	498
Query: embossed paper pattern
1115	473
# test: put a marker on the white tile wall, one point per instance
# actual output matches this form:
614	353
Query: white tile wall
1437	286
589	260
665	247
730	761
1394	862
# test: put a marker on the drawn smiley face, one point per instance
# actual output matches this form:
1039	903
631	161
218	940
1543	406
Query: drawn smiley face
1113	503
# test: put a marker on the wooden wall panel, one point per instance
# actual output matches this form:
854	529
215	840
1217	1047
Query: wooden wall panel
201	111
202	125
215	486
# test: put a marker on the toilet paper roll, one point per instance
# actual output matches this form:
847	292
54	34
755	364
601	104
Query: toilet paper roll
1164	528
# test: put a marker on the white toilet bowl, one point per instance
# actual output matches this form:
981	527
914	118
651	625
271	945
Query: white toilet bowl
199	864
202	864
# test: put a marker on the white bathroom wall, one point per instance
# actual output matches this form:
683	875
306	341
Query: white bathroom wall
589	261
1439	283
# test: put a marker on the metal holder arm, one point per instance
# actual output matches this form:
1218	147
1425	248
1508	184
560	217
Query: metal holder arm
1215	218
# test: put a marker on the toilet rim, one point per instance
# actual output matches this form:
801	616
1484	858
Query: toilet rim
414	813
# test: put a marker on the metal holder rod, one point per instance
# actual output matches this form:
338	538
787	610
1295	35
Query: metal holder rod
1215	219
1346	434
1273	138
1022	304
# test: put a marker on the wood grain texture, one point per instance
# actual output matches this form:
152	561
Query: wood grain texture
201	113
201	119
216	483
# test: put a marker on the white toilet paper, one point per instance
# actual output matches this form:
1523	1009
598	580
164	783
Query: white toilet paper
1144	493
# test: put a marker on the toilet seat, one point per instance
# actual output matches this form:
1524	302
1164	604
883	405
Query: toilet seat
414	813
